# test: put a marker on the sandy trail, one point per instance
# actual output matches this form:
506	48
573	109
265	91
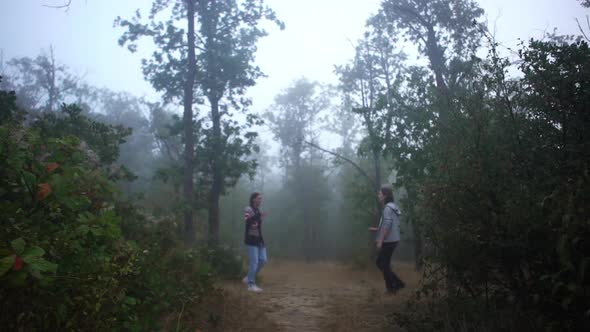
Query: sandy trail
319	297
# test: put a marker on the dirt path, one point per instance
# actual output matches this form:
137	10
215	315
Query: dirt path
318	297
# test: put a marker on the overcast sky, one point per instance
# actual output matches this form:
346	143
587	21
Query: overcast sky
318	35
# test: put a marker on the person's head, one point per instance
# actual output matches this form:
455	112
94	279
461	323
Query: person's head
385	195
255	199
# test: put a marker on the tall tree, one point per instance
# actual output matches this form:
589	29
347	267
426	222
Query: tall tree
446	32
229	32
344	124
41	84
372	81
292	119
225	40
172	70
188	87
167	129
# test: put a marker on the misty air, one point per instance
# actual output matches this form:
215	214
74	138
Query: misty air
283	165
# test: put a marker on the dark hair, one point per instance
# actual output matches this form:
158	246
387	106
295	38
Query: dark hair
253	197
388	193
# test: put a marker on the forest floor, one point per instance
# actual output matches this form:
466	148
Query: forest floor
301	296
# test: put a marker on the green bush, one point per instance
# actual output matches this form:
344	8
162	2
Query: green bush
502	193
65	263
224	262
59	221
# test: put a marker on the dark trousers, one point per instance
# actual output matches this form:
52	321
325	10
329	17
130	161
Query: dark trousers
392	281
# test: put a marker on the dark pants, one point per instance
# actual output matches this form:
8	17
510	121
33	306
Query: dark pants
392	281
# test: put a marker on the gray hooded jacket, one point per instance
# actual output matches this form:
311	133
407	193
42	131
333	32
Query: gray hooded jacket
390	220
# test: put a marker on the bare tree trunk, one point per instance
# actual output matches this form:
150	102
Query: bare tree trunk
213	239
436	58
217	185
307	235
189	228
377	168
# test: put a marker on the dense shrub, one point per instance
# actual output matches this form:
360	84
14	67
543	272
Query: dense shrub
65	263
502	194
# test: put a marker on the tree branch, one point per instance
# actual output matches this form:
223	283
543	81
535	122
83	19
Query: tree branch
581	29
355	165
413	13
65	5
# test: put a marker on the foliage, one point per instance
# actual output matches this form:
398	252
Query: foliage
293	116
238	142
99	137
172	71
60	222
126	114
305	190
500	191
41	84
230	31
65	263
495	168
10	111
159	236
372	80
227	33
225	263
442	29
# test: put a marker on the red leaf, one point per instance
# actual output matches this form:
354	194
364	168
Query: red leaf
50	167
44	191
18	263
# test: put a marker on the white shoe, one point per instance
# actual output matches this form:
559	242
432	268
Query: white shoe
254	288
245	280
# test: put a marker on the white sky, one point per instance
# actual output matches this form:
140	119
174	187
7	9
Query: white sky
318	35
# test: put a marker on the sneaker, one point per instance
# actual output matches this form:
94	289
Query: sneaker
245	280
254	288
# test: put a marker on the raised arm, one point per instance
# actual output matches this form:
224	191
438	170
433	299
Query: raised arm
248	213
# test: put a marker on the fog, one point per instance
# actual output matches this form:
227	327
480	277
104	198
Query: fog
138	138
318	37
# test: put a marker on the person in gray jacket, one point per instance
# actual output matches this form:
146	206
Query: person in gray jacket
388	236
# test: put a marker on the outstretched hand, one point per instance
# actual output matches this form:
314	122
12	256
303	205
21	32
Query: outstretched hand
247	215
373	229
